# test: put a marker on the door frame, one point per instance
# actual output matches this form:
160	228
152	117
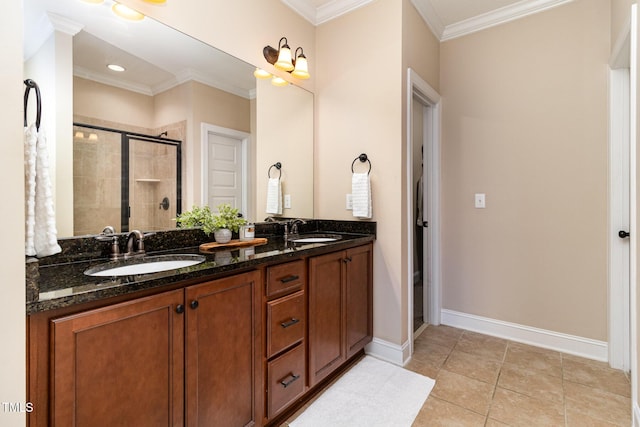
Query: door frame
244	138
416	86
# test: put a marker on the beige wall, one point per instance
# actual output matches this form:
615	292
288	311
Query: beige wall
359	106
620	18
284	134
12	290
525	121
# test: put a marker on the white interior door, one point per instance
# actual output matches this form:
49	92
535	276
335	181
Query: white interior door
225	168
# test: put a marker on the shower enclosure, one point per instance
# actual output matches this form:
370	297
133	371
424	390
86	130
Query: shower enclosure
124	179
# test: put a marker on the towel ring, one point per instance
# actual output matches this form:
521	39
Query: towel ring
363	158
278	166
32	85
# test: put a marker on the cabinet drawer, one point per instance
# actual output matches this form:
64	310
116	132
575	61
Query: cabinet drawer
286	380
285	277
285	322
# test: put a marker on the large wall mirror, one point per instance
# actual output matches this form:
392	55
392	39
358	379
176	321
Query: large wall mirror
205	132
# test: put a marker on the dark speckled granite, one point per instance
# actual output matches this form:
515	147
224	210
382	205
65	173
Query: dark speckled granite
59	280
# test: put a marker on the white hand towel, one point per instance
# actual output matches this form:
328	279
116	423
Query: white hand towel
274	196
41	233
361	195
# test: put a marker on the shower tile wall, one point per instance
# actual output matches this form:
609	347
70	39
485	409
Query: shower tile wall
96	181
97	189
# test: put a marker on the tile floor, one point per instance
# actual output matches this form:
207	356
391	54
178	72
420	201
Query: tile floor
487	381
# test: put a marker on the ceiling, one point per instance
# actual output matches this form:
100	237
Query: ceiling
447	19
156	57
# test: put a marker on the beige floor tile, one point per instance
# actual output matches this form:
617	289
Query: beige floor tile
432	353
471	366
440	335
596	374
531	383
545	361
482	345
598	404
463	391
495	423
516	409
424	368
577	419
436	412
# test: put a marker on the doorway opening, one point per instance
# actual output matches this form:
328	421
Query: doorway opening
225	168
423	199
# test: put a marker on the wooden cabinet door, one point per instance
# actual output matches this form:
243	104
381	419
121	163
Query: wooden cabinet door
223	339
359	298
121	365
326	308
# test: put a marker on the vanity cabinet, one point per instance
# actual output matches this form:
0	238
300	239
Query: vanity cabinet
286	322
184	357
340	308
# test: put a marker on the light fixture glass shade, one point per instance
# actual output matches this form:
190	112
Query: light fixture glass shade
279	81
302	68
126	12
93	137
284	62
79	134
259	73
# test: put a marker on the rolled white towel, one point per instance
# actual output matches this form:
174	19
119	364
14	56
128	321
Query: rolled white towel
30	139
274	196
361	195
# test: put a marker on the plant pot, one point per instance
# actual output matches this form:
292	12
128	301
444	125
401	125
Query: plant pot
222	235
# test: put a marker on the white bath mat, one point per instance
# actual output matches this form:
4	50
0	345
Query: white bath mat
372	393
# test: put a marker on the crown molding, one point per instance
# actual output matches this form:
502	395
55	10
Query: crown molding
497	17
63	24
430	16
325	12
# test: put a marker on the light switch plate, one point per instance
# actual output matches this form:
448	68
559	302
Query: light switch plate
287	201
480	201
349	202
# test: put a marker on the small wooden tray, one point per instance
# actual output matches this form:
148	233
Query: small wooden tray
232	244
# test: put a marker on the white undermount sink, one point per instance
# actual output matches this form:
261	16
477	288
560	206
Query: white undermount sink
315	238
144	265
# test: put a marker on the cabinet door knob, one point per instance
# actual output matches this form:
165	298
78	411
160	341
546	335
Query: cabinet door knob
346	260
180	309
293	378
194	304
291	322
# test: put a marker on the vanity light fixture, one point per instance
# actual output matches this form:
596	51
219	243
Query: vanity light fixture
259	73
282	59
127	13
279	81
79	135
301	70
93	136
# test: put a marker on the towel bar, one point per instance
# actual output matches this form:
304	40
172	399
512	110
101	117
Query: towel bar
278	166
363	158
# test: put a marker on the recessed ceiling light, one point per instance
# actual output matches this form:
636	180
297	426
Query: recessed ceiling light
116	67
126	12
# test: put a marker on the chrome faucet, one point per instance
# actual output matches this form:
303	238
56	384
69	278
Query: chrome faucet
135	236
294	225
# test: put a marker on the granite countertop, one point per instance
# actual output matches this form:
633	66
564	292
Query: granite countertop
59	281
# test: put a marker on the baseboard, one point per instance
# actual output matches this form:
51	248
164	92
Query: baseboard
389	352
571	344
636	414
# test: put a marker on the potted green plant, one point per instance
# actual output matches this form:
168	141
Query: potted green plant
222	224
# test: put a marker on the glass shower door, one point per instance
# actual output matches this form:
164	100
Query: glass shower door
153	187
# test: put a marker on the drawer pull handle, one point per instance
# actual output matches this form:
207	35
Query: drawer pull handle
291	322
290	278
286	384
